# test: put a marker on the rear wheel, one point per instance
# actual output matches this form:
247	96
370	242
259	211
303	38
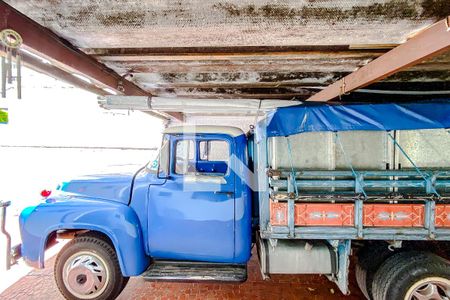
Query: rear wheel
412	275
429	288
370	257
87	268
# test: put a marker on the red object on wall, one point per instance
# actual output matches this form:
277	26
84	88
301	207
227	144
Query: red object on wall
393	215
442	218
324	214
46	193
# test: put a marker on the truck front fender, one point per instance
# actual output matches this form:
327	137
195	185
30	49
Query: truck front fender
117	221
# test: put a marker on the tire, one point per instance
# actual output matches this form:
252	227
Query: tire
88	268
124	284
370	258
405	273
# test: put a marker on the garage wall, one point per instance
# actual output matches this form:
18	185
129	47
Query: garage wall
242	122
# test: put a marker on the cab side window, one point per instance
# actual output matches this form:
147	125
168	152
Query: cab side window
184	157
204	157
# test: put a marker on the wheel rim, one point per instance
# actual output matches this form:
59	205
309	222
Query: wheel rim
85	275
432	288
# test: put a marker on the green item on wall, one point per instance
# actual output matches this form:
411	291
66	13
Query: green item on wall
3	116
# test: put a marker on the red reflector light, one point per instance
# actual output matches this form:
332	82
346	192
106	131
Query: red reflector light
45	193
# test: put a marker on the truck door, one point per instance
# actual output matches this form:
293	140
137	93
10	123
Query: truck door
191	215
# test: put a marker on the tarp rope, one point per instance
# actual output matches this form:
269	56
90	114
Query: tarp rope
349	163
257	113
412	163
291	161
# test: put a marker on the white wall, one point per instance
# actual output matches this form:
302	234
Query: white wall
242	122
57	114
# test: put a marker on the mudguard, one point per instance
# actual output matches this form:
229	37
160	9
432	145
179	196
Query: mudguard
116	220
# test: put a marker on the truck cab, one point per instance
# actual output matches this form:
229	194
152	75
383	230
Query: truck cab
197	206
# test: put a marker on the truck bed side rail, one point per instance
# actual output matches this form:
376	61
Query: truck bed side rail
396	205
390	182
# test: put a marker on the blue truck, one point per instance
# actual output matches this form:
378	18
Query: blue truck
308	187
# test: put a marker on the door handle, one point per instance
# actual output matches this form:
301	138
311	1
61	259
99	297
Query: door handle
223	192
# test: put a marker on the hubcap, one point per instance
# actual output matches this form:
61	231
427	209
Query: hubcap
85	275
433	288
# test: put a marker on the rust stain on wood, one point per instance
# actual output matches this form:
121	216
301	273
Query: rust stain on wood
390	10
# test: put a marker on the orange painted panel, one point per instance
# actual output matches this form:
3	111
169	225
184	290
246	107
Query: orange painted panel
278	213
393	215
442	215
324	214
313	214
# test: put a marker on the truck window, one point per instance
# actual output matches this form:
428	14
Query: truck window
212	158
214	150
184	157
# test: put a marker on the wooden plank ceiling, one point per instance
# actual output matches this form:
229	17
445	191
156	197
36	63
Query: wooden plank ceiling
247	48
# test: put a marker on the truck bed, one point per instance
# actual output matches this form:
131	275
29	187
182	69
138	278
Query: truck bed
356	185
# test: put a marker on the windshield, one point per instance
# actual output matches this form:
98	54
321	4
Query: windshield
161	158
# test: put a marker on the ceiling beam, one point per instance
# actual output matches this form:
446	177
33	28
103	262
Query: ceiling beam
52	71
231	95
48	69
193	105
43	42
238	56
427	43
235	50
274	64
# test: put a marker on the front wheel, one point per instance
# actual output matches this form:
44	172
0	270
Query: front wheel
87	268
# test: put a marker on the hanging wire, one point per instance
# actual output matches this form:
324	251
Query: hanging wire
347	160
292	165
257	113
412	162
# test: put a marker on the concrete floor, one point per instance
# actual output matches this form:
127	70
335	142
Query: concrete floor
39	284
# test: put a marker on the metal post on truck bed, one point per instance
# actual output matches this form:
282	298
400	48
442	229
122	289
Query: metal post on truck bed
7	250
261	168
430	218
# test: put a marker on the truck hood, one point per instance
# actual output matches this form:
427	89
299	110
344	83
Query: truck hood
109	186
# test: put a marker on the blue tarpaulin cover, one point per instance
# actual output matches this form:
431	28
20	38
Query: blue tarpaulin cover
401	116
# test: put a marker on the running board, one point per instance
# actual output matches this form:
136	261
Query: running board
195	271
